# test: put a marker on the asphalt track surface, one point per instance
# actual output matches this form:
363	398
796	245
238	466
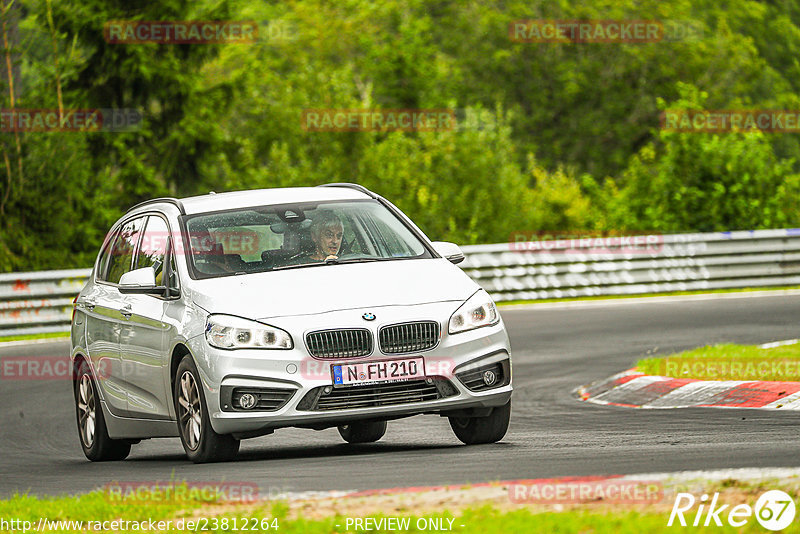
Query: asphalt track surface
552	433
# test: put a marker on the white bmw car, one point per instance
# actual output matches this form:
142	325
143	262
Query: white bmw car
226	316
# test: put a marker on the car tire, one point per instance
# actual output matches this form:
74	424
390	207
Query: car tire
96	444
476	430
363	431
201	443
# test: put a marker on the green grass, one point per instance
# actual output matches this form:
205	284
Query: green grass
728	362
94	506
643	295
484	520
26	337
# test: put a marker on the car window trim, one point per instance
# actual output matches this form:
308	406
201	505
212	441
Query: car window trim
107	243
138	243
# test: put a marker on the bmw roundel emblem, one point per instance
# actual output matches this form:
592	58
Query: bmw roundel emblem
368	316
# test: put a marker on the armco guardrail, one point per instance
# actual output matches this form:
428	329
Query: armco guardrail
683	262
42	301
38	302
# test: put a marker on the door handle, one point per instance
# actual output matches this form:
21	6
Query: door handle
88	304
126	311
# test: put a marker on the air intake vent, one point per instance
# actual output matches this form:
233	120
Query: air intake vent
349	398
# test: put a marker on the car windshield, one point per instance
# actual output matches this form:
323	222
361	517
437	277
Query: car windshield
287	236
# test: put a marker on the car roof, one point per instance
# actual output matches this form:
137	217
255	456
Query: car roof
256	197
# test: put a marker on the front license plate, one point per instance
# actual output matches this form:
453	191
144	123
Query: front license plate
378	372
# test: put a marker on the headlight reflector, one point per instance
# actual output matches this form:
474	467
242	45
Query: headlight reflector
479	310
229	332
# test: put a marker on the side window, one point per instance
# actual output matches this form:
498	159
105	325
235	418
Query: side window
121	260
153	250
390	240
153	247
105	255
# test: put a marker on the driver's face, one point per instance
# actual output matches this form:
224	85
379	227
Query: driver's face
329	240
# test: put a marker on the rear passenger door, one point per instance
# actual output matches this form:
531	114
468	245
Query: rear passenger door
105	319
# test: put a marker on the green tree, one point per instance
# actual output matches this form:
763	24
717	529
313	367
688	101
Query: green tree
707	182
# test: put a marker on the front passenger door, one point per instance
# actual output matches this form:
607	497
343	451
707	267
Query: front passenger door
143	340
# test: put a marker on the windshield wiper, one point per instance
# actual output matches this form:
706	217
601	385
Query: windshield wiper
356	260
283	267
332	262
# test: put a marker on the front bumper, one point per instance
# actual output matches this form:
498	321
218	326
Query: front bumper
223	371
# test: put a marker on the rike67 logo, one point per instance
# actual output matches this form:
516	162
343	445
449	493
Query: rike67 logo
774	510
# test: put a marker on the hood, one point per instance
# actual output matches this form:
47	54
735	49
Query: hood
325	288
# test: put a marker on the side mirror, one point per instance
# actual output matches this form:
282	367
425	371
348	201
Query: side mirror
140	281
451	251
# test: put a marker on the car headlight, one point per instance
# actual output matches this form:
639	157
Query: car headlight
479	310
229	332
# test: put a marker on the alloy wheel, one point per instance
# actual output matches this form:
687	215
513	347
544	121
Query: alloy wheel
191	415
87	410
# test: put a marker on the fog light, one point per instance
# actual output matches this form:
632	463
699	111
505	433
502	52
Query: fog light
429	381
247	401
327	390
489	377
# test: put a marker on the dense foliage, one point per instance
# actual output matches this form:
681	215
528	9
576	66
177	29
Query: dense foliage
567	135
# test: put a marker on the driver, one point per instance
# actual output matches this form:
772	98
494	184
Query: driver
326	234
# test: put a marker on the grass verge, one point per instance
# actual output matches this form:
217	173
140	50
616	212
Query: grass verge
27	337
728	362
484	520
486	510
